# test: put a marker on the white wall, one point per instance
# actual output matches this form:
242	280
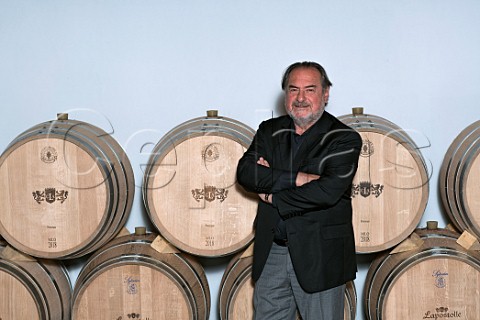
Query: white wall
146	66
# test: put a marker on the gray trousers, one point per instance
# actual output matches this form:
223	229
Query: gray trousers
278	295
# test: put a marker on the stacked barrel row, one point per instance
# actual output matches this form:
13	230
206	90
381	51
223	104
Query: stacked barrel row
70	190
417	273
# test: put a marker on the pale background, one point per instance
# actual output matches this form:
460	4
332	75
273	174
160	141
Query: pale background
143	67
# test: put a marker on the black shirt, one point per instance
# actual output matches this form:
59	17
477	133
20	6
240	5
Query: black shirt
286	181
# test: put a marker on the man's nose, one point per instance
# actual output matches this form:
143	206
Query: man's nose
300	95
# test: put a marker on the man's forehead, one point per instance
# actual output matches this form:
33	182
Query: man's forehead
310	76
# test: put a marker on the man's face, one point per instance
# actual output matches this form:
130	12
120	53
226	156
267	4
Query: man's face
305	99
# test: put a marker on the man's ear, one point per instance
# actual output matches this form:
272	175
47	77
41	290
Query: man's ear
326	95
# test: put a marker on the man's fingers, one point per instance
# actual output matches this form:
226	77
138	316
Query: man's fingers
263	162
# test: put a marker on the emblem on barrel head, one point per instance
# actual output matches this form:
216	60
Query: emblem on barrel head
366	188
48	155
210	193
367	148
440	278
50	195
211	153
132	285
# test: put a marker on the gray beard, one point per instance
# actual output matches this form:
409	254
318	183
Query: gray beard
305	122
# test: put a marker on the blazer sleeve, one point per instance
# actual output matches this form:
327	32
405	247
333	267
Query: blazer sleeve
252	176
337	167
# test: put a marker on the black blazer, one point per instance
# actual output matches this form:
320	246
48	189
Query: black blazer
318	215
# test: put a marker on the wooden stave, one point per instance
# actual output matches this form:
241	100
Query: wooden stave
448	173
19	245
376	124
180	134
379	262
47	281
112	155
469	215
380	125
442	241
196	127
464	167
366	121
124	179
64	127
238	273
452	177
206	124
137	249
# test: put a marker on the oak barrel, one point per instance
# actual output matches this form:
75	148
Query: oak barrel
129	278
32	289
436	279
190	189
390	189
67	189
459	179
236	291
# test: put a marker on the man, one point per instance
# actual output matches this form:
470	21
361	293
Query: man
301	165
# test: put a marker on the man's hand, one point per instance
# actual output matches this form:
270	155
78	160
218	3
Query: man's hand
265	197
303	178
263	162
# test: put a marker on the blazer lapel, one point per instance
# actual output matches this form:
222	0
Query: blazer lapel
282	143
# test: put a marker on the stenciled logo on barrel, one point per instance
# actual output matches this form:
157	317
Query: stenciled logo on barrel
131	284
442	313
367	149
440	278
367	188
133	315
210	193
50	195
211	153
48	155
